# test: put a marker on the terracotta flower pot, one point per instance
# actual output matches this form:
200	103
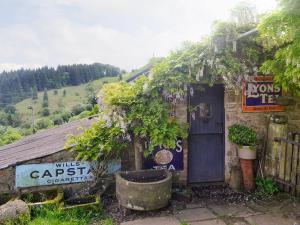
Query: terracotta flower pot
247	170
247	155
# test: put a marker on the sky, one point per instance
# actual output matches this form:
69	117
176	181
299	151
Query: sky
124	33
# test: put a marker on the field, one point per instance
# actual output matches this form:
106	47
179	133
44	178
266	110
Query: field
74	95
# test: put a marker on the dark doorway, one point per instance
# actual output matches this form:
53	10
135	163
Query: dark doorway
206	138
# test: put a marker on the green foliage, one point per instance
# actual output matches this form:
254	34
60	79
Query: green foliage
55	92
142	108
24	83
99	140
77	109
52	215
11	109
45	99
3	119
91	94
242	135
95	110
57	120
82	115
34	93
22	219
64	93
45	111
43	123
280	36
9	135
266	186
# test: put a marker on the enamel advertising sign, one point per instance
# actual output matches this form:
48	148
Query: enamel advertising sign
259	95
171	159
30	175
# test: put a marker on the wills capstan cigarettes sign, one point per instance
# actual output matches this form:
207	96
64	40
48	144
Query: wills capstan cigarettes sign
30	175
259	95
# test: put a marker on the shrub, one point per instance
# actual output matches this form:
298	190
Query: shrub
43	123
55	92
82	115
66	116
77	109
45	111
45	103
9	135
266	186
89	107
242	135
57	120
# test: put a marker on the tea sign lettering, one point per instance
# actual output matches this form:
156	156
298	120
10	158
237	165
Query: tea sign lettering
259	95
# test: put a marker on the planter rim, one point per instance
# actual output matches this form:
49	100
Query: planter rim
247	146
168	177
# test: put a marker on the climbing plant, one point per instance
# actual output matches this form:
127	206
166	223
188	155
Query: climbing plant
141	108
280	36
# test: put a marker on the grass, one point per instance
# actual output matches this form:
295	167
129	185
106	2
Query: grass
52	215
74	95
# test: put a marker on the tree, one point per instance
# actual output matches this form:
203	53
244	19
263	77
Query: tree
34	93
45	98
45	111
20	84
3	119
244	13
91	94
10	109
280	36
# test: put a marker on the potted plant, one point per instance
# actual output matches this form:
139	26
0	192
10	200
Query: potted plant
245	138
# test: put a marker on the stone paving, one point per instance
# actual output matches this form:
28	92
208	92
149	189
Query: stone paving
276	213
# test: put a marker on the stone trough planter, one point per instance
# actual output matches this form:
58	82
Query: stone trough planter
144	189
37	199
86	202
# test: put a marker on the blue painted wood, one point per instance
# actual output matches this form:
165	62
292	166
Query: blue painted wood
206	138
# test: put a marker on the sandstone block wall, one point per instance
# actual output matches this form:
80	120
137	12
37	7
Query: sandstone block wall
257	120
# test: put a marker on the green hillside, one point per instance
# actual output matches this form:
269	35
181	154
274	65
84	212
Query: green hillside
57	102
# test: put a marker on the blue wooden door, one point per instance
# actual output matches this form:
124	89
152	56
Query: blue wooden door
206	138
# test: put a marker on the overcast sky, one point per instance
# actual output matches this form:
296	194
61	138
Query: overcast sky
125	33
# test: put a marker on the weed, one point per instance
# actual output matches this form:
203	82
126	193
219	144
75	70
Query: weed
266	186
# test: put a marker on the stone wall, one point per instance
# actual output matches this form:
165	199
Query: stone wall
258	120
7	175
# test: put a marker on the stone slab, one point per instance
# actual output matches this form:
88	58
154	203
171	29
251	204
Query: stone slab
195	205
208	222
196	214
232	210
268	219
168	220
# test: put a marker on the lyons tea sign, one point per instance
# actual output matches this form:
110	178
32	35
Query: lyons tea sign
31	175
171	159
259	95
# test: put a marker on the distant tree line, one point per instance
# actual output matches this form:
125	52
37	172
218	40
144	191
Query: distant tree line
20	84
